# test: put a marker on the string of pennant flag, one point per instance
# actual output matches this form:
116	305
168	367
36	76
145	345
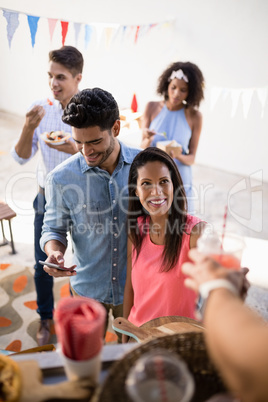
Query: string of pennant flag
236	95
111	31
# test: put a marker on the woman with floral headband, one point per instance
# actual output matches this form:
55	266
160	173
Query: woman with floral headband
177	118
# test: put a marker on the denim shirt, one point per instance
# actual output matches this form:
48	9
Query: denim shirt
92	205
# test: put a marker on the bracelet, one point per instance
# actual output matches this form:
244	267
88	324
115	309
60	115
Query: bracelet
207	287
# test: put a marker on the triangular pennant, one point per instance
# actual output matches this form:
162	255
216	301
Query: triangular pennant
12	24
152	26
165	24
51	25
235	95
246	100
134	104
225	93
143	30
99	31
116	31
214	96
33	22
64	30
108	35
124	30
137	34
77	29
88	34
262	95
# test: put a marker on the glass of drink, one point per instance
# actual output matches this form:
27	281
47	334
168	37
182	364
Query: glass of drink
227	250
160	376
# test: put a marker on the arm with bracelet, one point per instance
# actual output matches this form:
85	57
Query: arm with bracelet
236	337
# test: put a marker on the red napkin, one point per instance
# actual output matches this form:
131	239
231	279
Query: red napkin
79	326
134	104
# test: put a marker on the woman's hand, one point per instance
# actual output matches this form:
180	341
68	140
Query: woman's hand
147	137
175	153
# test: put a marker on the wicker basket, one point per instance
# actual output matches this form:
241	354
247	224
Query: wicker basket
189	346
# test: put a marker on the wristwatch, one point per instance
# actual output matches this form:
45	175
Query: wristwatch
207	287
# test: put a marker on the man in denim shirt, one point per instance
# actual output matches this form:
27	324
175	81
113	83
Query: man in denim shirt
87	195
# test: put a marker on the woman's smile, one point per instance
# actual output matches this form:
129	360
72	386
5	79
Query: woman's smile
155	188
157	202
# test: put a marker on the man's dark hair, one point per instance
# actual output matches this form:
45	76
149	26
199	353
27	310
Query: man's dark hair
69	57
92	107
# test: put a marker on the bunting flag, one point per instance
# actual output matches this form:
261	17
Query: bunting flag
112	31
109	32
77	29
134	104
124	30
137	34
237	94
64	30
51	25
214	96
98	32
12	24
116	33
33	22
144	29
262	96
88	34
246	100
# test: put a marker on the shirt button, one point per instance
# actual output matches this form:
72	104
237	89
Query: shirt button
114	265
84	206
114	278
115	249
111	182
115	234
115	218
113	201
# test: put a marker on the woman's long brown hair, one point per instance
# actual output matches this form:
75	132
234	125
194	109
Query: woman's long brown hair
177	214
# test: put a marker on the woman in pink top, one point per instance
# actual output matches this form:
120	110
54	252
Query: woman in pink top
160	236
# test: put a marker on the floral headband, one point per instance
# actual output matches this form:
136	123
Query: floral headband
179	74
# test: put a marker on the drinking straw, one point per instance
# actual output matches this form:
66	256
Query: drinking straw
160	376
224	226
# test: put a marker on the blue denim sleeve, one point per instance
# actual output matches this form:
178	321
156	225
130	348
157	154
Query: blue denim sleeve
56	217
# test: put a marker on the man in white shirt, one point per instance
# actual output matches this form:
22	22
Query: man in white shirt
64	75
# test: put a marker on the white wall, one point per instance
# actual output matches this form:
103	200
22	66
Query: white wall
226	39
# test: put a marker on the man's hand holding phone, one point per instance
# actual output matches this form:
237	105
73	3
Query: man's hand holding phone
57	270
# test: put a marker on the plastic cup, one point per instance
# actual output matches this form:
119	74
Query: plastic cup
160	376
77	369
227	251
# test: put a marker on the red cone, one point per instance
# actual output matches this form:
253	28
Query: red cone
134	104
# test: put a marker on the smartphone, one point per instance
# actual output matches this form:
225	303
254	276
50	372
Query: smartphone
55	266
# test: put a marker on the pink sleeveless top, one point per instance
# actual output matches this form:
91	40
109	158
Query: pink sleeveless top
156	293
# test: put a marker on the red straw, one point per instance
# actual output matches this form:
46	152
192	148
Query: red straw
160	376
224	225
